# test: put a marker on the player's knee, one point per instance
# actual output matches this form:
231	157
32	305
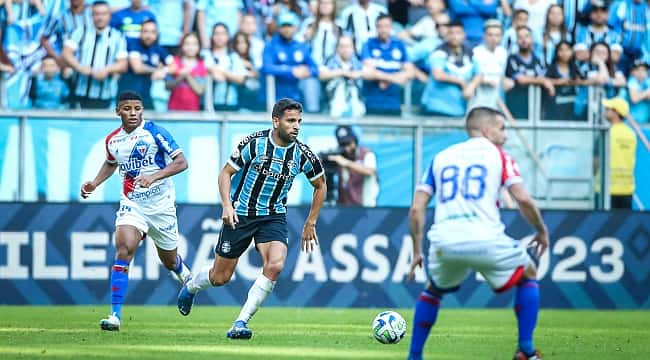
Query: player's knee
125	252
530	273
274	268
219	279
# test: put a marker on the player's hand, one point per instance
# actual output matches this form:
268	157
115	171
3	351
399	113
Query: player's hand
539	243
229	216
144	180
309	239
100	74
415	262
339	159
87	188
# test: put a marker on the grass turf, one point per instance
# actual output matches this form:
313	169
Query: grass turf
64	332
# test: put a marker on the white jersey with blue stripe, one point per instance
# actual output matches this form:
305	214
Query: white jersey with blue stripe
466	179
143	151
265	173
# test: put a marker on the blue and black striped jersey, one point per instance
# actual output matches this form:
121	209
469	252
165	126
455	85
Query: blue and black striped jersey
265	172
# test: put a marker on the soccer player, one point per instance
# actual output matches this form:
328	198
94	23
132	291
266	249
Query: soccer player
468	234
253	185
147	157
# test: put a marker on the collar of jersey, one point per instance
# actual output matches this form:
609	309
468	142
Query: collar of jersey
139	127
276	145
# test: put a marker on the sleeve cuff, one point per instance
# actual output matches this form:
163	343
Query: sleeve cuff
316	176
175	153
424	188
232	163
513	180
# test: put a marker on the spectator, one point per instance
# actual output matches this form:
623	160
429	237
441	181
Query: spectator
129	20
98	54
357	169
639	91
563	74
490	64
453	77
249	91
342	74
576	13
360	21
279	7
288	60
388	70
211	12
171	26
187	82
628	18
226	68
599	72
524	69
116	5
581	54
537	10
421	50
321	34
425	28
597	29
622	155
472	14
76	15
248	27
510	36
147	62
48	90
554	32
616	51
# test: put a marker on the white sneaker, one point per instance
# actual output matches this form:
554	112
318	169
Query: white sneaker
112	323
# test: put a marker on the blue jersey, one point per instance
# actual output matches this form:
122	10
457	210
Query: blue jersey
265	172
628	18
388	57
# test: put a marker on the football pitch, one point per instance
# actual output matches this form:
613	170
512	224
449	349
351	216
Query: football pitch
72	332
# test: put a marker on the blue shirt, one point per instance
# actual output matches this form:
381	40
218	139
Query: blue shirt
388	57
153	56
640	111
170	21
48	94
265	172
473	13
129	21
586	35
280	56
628	18
443	97
220	11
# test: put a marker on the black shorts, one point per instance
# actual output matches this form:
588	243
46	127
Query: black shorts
233	243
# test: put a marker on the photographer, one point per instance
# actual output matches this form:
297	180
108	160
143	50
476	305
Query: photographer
357	170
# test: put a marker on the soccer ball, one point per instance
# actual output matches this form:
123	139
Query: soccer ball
389	327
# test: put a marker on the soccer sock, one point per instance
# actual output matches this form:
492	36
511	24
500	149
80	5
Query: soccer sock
426	312
119	284
526	309
256	295
200	281
181	270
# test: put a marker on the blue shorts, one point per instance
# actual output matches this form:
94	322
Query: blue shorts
233	243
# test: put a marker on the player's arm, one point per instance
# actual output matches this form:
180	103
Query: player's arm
107	169
228	214
178	164
530	211
416	228
309	239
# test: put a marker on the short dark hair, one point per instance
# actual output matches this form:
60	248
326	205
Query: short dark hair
479	114
520	11
383	16
149	21
524	27
100	2
285	104
456	23
128	95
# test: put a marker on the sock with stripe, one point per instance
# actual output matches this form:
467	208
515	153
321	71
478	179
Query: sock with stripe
426	312
181	271
526	310
260	290
119	284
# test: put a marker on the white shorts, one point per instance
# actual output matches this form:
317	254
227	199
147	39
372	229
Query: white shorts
501	262
161	227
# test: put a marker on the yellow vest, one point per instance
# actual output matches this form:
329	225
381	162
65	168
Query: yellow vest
622	156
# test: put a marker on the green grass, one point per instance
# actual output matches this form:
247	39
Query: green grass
150	332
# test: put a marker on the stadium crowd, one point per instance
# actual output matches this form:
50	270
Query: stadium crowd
344	58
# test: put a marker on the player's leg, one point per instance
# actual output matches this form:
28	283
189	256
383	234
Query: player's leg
445	276
163	230
271	241
127	239
510	266
232	243
273	255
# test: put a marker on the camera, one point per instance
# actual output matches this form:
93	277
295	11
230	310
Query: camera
331	169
